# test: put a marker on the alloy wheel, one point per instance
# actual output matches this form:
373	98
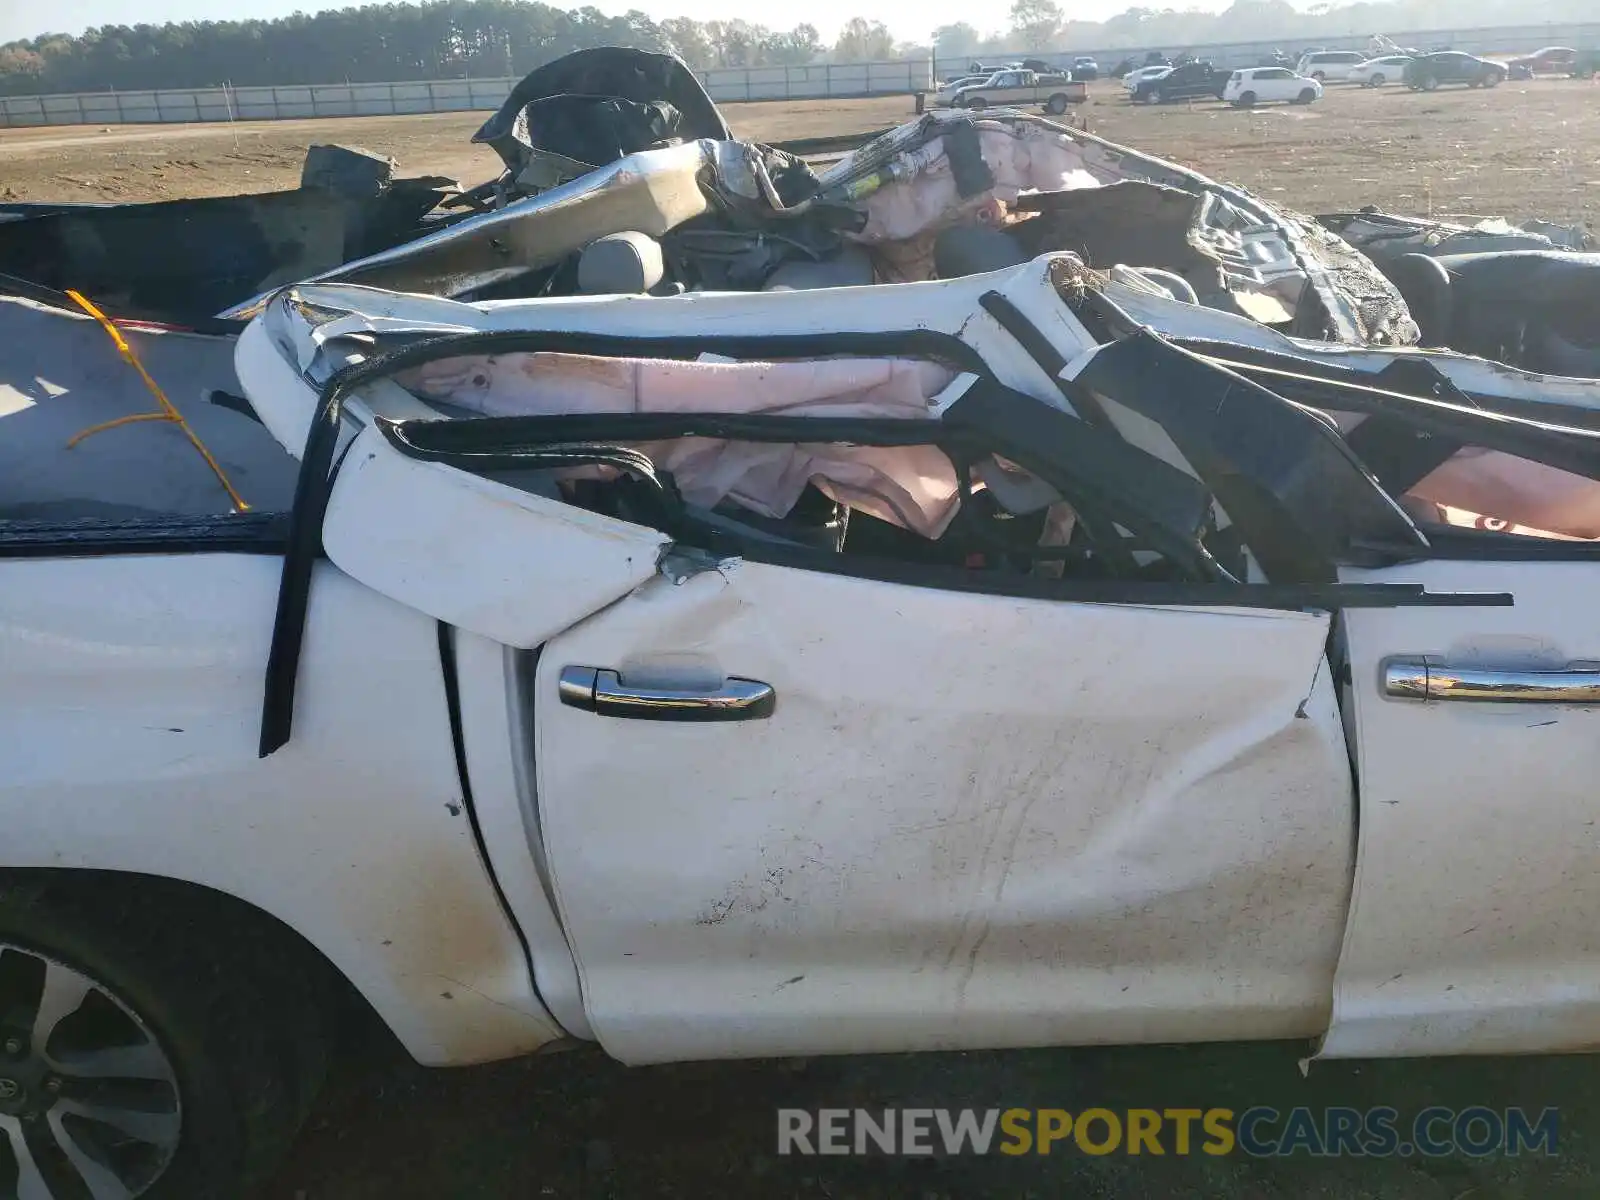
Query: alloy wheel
89	1105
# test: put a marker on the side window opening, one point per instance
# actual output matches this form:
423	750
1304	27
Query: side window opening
706	471
1482	471
918	461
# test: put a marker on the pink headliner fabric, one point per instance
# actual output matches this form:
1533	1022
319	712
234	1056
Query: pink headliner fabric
911	486
1491	489
1038	161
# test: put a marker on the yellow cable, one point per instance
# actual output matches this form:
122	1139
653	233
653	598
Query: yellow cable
169	411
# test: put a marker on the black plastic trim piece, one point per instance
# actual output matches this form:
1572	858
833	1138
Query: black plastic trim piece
404	438
228	533
458	740
1569	448
1405	385
1084	402
1108	480
1454	544
484	441
915	343
965	153
1155	594
233	403
1282	472
1400	455
1043	352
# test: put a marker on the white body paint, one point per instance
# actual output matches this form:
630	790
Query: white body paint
972	820
131	703
1472	928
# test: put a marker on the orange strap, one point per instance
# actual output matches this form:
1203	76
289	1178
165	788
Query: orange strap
168	412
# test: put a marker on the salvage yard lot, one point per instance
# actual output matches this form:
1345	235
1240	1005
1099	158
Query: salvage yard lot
578	1127
1522	149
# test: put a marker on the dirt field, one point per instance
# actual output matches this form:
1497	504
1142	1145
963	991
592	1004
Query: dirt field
1523	149
165	162
578	1126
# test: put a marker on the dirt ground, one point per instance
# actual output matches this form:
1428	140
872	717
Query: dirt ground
577	1126
166	162
1522	149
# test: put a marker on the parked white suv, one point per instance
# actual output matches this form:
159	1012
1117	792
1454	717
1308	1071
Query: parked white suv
1257	85
1331	66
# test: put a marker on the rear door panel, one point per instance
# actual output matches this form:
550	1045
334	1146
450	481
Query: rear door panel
1473	924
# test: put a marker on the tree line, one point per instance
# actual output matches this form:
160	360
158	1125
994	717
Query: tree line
454	39
444	39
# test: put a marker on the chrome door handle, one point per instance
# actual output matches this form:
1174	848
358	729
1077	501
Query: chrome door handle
597	690
1418	679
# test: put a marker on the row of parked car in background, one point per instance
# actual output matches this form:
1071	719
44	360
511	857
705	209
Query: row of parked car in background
1424	71
1160	80
1197	79
1161	83
1033	83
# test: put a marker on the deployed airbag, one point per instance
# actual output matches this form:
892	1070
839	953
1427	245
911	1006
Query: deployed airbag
911	486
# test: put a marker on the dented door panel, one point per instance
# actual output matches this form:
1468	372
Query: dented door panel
969	821
415	531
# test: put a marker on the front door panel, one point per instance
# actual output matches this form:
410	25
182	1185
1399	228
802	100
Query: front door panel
968	821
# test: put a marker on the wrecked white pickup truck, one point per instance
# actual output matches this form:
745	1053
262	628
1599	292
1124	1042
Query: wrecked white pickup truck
1123	634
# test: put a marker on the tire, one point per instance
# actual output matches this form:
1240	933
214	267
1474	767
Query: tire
1306	96
1245	100
1057	104
1492	79
1152	97
1376	81
1430	84
977	104
228	1059
1319	76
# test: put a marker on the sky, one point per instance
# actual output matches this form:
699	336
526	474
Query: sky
908	21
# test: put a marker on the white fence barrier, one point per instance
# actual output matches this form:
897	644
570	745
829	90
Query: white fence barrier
815	82
822	81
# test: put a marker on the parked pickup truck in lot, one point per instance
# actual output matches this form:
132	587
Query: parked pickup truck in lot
1191	81
1137	640
946	92
1013	89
